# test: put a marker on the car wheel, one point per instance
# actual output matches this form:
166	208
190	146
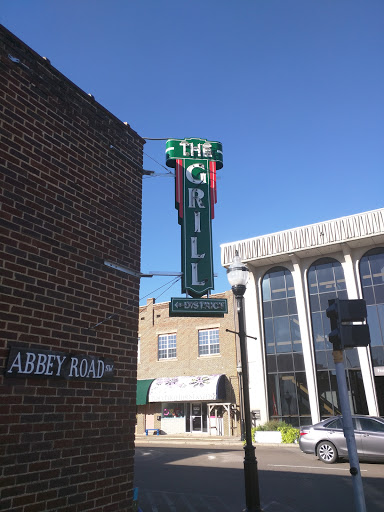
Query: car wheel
327	452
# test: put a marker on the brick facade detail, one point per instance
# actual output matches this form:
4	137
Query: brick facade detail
154	320
70	201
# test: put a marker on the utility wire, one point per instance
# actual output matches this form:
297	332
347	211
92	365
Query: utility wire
114	315
161	165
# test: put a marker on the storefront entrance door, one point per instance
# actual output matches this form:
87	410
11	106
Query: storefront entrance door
196	417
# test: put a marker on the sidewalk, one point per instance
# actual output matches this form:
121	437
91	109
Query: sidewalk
186	439
198	439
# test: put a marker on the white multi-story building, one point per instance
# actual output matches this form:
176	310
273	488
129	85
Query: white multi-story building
293	274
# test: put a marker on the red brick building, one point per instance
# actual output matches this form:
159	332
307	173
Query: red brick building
71	185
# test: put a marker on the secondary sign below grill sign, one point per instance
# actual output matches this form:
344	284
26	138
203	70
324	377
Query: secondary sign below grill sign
24	362
198	307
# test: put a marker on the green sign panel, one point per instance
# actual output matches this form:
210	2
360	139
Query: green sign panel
195	162
198	307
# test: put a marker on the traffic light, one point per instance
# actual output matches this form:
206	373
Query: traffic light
345	333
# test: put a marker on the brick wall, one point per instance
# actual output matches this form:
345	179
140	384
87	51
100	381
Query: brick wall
69	202
154	320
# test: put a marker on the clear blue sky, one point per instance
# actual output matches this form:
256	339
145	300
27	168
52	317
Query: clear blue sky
294	90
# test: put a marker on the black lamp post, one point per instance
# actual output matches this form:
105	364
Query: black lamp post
238	274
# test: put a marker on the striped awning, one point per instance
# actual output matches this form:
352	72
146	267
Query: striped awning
180	389
142	391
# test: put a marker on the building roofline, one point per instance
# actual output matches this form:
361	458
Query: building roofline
306	239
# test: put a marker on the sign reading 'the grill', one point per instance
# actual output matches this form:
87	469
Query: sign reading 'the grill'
195	162
24	362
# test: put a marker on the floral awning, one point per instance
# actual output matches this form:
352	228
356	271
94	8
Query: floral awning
180	389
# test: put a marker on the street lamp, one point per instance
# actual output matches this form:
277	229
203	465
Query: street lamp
238	275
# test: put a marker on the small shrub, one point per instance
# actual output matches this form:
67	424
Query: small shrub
272	425
289	434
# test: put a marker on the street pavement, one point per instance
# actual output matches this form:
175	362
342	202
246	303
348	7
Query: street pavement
197	475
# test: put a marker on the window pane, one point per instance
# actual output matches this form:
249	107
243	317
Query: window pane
314	302
298	361
271	364
269	337
302	394
339	276
380	312
326	396
326	278
324	298
312	281
377	356
266	289
289	282
267	309
352	358
374	326
317	327
295	328
379	293
278	289
321	360
279	307
368	295
282	332
284	362
365	272
288	395
292	308
273	396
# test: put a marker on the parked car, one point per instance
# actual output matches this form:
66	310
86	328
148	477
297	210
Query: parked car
326	439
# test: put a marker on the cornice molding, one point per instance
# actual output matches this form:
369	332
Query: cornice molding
337	231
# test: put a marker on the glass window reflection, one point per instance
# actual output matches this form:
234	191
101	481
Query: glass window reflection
287	387
328	274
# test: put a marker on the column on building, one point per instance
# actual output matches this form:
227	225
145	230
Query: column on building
256	354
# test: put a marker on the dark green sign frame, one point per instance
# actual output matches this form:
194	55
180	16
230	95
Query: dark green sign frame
195	162
198	307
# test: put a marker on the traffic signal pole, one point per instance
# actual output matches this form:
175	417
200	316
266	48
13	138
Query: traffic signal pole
349	435
348	329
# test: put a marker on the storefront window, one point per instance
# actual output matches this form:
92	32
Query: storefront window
173	410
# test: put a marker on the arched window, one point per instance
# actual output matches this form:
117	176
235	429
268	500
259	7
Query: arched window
326	281
372	282
287	385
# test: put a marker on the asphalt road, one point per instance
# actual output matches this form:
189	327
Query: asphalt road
197	478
